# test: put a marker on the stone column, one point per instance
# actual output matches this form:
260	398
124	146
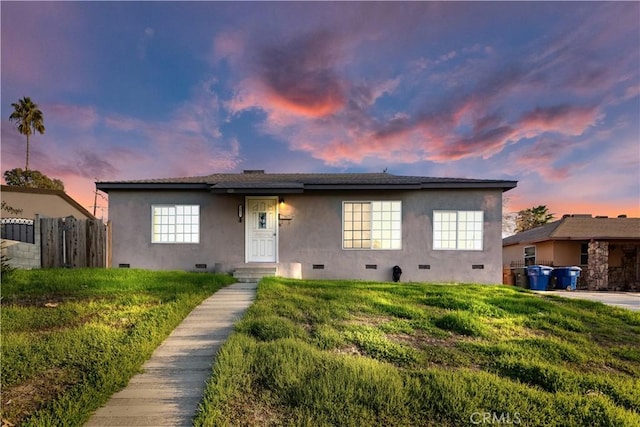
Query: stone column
598	265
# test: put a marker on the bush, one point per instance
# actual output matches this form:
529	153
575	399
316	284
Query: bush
7	269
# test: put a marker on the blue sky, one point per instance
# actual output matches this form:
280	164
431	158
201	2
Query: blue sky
546	93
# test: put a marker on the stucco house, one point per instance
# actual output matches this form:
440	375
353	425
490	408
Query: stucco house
43	202
20	232
316	226
607	249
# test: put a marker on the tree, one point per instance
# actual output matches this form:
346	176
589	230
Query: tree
508	217
28	118
532	218
31	179
9	209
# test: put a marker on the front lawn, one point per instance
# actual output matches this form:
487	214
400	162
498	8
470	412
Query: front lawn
362	354
71	338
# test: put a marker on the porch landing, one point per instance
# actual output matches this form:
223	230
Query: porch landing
253	272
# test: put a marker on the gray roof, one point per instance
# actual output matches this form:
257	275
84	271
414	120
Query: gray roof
257	181
579	227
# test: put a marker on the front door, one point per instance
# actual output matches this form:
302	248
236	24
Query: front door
261	228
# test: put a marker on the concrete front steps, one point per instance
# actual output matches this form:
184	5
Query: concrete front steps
254	271
250	273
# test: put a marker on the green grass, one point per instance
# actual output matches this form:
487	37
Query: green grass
325	353
71	338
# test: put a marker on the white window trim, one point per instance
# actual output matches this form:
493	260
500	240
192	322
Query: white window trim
371	239
167	205
457	212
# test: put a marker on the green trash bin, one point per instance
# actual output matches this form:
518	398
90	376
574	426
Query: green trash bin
539	277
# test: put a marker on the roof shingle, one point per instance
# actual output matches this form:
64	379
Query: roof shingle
275	181
579	228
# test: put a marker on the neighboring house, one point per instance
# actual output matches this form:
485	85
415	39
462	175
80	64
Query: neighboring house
607	249
21	231
39	201
315	226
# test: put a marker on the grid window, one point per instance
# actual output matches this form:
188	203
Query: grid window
175	224
372	225
458	230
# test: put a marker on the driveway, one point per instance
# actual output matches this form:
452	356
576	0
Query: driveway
628	300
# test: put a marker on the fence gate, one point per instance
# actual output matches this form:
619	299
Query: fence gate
70	242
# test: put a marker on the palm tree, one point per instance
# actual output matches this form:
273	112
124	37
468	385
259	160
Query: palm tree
28	120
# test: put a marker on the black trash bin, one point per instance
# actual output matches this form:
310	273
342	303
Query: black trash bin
521	279
539	277
567	277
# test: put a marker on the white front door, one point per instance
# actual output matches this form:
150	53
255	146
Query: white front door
261	229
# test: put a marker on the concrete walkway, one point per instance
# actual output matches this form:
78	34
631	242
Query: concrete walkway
170	388
628	300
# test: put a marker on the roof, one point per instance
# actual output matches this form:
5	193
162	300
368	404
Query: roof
579	227
59	193
258	181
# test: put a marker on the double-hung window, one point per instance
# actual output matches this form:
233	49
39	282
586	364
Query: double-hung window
372	225
458	230
529	255
175	224
584	253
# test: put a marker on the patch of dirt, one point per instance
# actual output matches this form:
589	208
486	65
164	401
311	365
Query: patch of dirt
421	340
250	410
368	320
21	400
39	301
350	350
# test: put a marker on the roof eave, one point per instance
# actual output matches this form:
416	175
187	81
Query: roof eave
322	187
107	186
504	185
257	190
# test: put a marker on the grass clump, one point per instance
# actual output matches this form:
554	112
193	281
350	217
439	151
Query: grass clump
326	353
462	322
71	338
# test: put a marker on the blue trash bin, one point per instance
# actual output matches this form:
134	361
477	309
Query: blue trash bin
567	277
539	277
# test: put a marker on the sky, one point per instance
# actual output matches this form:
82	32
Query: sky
545	93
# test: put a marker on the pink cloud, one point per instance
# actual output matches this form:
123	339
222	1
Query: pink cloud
123	123
229	45
563	119
73	116
299	76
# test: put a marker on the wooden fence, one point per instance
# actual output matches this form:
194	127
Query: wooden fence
70	242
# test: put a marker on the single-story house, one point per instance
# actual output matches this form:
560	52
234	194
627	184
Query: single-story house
315	226
607	249
43	202
21	231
